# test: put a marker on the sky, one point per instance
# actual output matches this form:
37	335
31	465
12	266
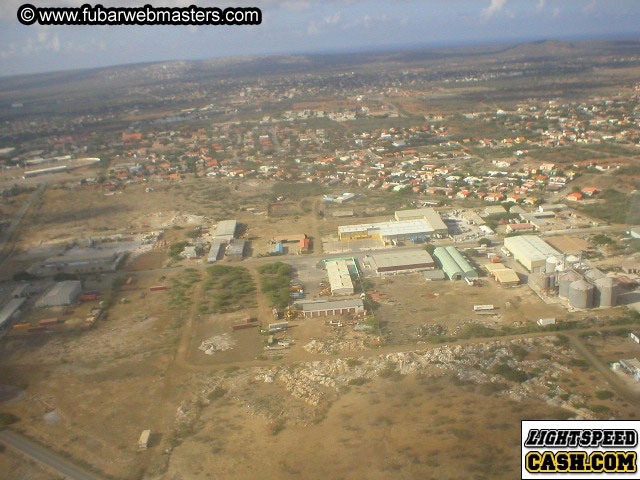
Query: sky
306	26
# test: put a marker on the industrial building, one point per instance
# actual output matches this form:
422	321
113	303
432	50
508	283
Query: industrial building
429	214
405	261
217	248
339	277
454	264
386	231
436	275
10	312
80	260
502	274
235	249
226	230
62	293
530	250
331	307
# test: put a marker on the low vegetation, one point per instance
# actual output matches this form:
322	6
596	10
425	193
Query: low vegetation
229	289
275	281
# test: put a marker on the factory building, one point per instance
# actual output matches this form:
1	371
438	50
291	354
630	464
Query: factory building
386	231
217	248
332	307
62	293
339	277
226	230
80	260
429	214
531	251
235	249
503	275
406	261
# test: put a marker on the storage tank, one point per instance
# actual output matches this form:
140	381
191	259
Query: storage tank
550	265
606	292
581	294
564	281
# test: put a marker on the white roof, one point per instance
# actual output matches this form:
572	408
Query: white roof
402	258
339	277
402	227
531	246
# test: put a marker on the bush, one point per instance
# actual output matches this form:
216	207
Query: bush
604	394
7	419
510	373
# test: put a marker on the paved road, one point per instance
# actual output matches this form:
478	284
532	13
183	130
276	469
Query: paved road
15	223
45	456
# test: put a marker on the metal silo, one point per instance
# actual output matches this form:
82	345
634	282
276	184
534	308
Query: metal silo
564	281
593	274
607	291
581	294
550	265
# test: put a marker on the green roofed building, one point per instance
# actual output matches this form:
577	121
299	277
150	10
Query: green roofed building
449	265
468	271
454	264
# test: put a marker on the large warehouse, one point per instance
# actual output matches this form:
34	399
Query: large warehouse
226	230
332	307
405	261
530	250
429	214
454	264
339	277
62	293
387	231
79	260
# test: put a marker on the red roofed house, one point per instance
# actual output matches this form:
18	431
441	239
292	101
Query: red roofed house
575	196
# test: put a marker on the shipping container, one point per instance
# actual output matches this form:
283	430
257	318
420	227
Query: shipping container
241	326
21	326
158	287
86	297
130	287
48	321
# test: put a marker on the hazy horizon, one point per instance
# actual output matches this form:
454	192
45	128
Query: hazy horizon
301	26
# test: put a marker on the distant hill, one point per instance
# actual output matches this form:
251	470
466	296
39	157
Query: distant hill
127	76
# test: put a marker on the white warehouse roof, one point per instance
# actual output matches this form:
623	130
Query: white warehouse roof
387	229
531	246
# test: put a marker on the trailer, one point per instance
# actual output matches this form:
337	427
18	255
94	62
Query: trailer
483	307
276	327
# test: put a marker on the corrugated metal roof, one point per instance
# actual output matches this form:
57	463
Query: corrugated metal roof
532	247
332	305
449	265
11	307
226	228
401	258
465	266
